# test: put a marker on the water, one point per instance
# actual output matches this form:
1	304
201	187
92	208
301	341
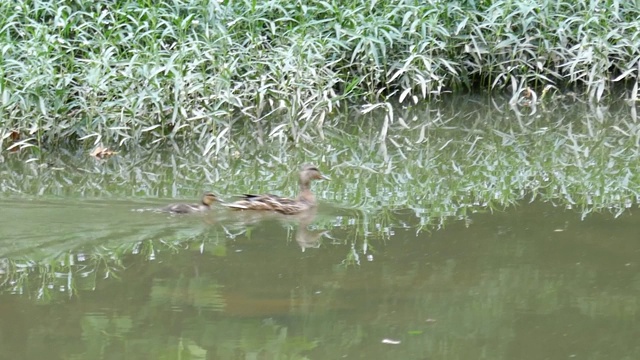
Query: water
489	249
129	284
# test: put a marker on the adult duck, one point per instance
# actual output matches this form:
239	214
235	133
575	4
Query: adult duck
269	202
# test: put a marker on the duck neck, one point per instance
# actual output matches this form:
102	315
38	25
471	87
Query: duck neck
305	193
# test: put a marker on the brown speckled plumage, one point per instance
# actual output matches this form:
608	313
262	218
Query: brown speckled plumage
269	202
205	205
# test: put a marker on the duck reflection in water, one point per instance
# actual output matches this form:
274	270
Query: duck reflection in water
306	238
242	222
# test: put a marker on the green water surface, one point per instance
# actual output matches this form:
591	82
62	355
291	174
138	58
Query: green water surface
484	235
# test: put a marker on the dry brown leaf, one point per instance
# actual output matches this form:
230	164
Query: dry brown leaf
102	152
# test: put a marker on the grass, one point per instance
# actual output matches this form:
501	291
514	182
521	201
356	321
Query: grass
138	72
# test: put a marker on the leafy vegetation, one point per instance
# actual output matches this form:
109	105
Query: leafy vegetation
138	71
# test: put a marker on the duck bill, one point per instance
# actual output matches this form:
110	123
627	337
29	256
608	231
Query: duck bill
325	177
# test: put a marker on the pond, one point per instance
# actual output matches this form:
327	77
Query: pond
461	231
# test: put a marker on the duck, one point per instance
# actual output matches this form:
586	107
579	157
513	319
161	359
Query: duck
269	202
205	205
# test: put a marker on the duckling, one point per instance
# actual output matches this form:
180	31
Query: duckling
305	200
205	205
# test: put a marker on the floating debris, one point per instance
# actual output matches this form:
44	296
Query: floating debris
102	152
391	341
